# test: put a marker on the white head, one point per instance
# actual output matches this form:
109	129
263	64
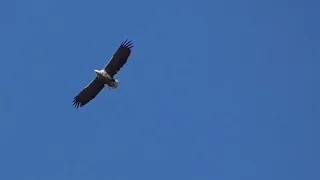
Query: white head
97	71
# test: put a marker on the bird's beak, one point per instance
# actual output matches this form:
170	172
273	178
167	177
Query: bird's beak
96	71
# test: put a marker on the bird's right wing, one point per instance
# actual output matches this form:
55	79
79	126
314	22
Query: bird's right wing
88	93
119	58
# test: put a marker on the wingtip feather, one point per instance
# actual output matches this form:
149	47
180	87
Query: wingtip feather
127	43
76	104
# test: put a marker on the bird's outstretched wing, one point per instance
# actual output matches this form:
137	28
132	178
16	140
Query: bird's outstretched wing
119	58
88	93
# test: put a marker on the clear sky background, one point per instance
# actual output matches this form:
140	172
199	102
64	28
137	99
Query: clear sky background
214	90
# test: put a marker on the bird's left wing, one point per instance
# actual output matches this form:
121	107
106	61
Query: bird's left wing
119	58
88	93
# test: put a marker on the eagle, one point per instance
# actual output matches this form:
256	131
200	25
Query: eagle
105	76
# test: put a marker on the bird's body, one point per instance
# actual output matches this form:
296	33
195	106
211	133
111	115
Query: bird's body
105	76
106	79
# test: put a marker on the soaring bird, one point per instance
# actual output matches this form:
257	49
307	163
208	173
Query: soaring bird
105	76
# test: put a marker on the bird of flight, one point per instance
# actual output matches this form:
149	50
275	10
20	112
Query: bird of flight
105	76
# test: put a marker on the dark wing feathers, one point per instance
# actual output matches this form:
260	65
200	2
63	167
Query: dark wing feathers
119	58
88	93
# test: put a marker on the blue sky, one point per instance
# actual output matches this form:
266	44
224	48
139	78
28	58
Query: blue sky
218	89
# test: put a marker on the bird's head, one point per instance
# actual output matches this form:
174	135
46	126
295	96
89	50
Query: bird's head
97	71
